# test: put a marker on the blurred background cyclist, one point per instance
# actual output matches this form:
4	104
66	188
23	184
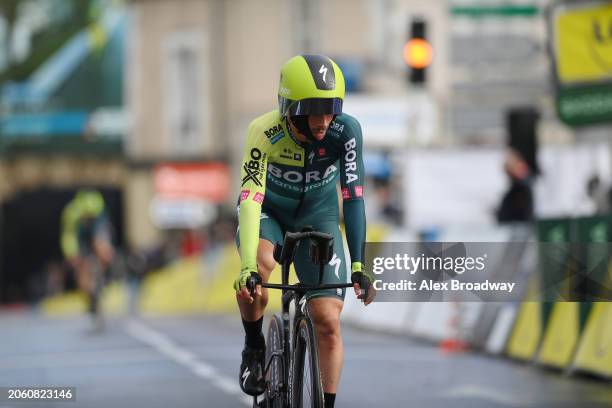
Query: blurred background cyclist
87	246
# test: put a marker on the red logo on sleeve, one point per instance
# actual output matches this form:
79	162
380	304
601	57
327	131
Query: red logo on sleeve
346	193
244	194
358	191
258	198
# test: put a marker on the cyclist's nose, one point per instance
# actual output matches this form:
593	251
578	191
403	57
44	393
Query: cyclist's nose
320	120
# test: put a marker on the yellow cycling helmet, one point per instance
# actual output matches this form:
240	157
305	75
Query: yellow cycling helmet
310	85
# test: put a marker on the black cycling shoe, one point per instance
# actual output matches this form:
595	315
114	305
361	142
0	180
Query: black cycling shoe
251	377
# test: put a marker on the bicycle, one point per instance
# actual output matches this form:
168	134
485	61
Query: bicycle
288	372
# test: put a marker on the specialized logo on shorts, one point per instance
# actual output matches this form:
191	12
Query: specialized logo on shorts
336	262
346	194
358	191
244	194
258	198
275	133
254	167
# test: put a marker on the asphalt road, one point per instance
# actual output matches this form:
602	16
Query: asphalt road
192	362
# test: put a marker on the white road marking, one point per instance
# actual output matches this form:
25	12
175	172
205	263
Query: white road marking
165	346
489	394
77	358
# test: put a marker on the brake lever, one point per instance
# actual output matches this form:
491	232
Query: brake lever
252	282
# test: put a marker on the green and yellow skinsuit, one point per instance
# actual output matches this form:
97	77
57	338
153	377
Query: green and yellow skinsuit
287	184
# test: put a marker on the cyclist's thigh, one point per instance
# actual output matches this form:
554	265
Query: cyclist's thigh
269	230
335	270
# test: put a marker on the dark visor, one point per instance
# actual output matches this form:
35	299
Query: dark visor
312	106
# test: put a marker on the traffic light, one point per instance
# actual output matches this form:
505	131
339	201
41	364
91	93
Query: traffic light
418	53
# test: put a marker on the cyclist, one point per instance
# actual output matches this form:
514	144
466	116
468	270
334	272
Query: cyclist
86	244
293	158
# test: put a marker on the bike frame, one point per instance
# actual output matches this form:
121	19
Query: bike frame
284	255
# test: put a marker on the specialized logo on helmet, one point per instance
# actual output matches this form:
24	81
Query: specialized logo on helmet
322	72
254	168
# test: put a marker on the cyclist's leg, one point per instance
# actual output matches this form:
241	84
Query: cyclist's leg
325	314
86	280
270	232
251	374
325	306
97	277
82	276
102	242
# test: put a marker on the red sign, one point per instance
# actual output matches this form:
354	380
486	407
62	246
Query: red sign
358	191
204	181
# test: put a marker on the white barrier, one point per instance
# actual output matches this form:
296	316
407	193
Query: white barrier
496	342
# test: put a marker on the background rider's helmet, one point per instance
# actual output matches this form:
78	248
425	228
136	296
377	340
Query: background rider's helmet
90	202
310	85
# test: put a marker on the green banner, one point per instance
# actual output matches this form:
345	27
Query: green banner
552	271
484	10
597	258
585	105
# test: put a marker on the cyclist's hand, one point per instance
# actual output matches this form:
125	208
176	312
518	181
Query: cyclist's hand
362	282
240	285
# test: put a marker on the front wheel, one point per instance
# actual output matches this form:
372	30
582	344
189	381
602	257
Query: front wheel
306	388
274	364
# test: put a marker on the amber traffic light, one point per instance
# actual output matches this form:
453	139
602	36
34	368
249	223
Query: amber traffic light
418	53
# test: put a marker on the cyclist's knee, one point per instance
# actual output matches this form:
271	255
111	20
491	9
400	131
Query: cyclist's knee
327	322
328	331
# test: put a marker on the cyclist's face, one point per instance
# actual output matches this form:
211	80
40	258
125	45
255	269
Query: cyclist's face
318	125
